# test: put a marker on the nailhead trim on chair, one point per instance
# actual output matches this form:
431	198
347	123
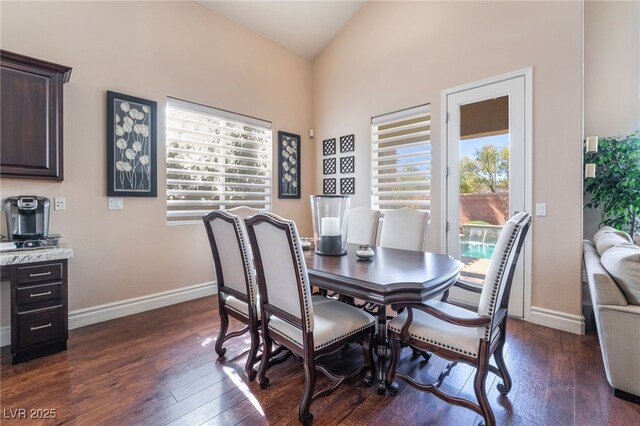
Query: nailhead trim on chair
436	343
335	339
299	263
496	283
245	256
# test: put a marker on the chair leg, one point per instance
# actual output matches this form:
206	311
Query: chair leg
309	384
498	355
263	380
251	359
481	394
393	364
224	325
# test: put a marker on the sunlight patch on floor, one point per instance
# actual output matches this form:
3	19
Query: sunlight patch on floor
240	384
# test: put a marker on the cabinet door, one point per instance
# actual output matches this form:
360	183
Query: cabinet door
30	119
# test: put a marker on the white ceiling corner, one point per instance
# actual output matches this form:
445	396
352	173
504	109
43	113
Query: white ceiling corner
303	27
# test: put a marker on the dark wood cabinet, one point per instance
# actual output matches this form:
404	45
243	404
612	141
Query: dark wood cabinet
31	109
39	309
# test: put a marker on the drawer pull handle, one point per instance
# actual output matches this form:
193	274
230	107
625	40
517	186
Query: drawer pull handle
38	327
44	293
41	274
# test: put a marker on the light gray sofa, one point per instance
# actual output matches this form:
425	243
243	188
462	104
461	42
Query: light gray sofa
612	266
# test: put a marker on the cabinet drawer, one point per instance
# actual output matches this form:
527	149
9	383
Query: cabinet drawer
38	273
38	293
40	325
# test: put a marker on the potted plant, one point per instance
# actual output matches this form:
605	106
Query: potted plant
615	189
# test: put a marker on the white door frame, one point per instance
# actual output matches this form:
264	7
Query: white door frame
527	73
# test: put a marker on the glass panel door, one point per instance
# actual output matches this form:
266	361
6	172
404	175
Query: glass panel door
486	178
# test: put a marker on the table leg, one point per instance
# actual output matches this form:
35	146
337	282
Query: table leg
382	349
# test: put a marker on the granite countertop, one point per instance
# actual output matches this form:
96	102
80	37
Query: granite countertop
35	255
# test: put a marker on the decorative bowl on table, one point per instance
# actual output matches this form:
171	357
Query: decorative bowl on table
364	252
305	243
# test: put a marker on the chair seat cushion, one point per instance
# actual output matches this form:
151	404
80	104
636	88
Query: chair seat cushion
239	306
333	321
431	330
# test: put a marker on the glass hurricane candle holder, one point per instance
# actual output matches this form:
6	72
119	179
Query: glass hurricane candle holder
329	216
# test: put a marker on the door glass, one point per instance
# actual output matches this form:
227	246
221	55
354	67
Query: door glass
484	182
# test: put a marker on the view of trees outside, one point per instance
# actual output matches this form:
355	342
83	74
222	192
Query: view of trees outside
484	199
487	171
212	163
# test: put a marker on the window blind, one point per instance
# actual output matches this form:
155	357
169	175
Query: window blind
215	160
401	159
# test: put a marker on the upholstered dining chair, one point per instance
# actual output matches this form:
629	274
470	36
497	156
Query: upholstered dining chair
237	289
362	226
308	326
405	229
460	335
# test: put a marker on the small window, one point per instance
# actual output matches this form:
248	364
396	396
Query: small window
401	159
215	160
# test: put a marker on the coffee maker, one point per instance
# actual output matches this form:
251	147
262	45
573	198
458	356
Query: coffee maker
27	217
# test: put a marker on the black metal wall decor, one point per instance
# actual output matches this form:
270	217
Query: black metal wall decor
329	186
347	143
329	166
348	186
347	164
329	146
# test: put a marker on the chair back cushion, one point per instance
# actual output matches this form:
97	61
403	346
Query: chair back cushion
243	212
363	226
500	272
405	229
280	266
231	254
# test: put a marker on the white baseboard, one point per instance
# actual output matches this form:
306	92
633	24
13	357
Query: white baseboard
557	319
122	308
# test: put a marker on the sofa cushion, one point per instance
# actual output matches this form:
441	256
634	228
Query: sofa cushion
608	240
609	230
623	264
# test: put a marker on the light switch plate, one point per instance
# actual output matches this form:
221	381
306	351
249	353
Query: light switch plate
541	209
116	203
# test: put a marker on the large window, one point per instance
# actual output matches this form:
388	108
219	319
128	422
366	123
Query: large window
215	160
401	159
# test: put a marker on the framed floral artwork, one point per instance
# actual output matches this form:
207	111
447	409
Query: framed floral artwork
288	165
131	146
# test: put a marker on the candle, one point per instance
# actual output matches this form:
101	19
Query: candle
592	144
590	171
330	226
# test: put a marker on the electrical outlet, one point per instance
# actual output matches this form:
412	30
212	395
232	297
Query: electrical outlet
59	203
116	203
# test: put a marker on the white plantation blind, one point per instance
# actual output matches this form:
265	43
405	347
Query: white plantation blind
215	160
401	159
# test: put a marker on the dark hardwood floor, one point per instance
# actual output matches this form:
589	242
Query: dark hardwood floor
159	368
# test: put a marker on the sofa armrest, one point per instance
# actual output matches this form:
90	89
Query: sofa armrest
604	290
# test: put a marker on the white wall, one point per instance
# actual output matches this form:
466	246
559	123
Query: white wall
394	55
151	50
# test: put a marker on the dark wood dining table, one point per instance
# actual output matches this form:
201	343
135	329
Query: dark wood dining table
391	277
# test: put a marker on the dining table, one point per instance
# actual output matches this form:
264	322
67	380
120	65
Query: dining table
391	277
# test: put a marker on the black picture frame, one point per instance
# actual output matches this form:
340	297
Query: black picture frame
132	151
289	150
